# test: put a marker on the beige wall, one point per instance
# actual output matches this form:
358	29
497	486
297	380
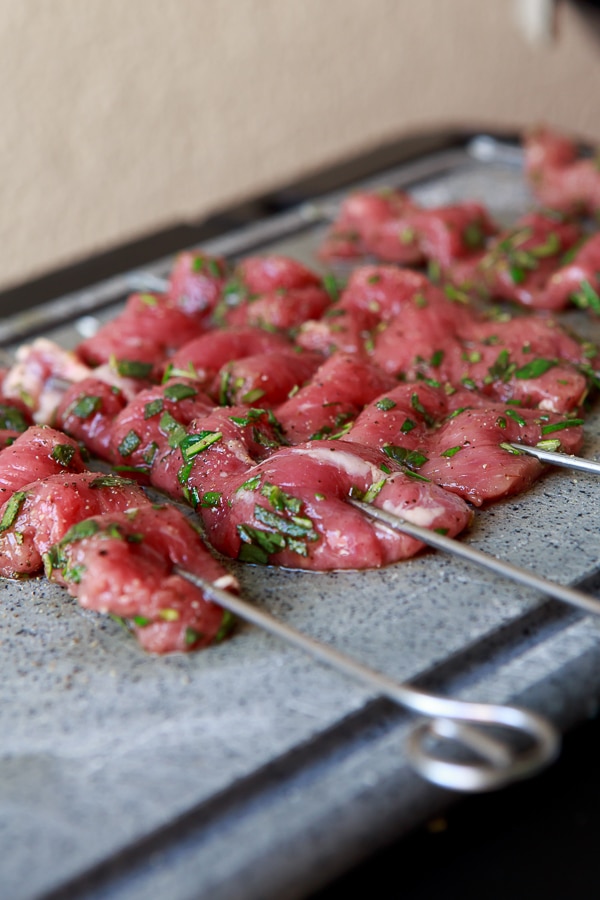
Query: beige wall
121	116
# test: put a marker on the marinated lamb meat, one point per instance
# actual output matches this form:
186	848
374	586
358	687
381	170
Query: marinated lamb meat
292	509
39	515
37	453
203	357
557	176
390	226
268	378
148	330
87	412
461	442
335	395
273	292
521	261
153	423
471	455
123	564
39	375
222	442
196	284
43	372
577	281
376	223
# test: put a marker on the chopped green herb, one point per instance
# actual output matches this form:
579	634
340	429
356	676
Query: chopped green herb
560	426
385	403
12	419
373	491
510	449
473	236
251	485
407	426
63	454
295	526
257	544
210	499
279	499
149	455
454	294
130	442
153	408
586	297
436	359
457	412
177	392
253	396
501	422
148	299
451	451
108	481
171	427
502	369
333	286
535	368
11	510
227	623
133	368
85	406
193	444
140	621
552	445
192	636
514	415
411	458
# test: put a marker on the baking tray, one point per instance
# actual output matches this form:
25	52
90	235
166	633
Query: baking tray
249	771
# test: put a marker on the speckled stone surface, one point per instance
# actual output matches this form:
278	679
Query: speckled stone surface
249	771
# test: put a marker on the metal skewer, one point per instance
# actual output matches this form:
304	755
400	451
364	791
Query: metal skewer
560	459
454	720
572	596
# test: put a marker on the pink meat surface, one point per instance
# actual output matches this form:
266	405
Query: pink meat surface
450	233
122	563
37	453
336	394
374	223
469	454
41	513
203	357
530	360
393	228
38	377
222	442
292	509
149	329
87	412
283	308
456	440
196	284
152	424
274	292
265	378
577	281
263	274
558	178
521	261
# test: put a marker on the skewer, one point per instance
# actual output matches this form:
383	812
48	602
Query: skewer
564	460
572	596
454	720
